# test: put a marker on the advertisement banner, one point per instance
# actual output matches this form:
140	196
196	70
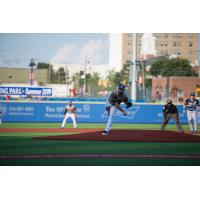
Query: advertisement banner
87	113
34	91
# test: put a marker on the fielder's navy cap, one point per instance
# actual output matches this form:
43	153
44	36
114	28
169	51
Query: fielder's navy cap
192	94
121	86
169	101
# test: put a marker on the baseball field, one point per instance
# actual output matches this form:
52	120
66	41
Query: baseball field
46	144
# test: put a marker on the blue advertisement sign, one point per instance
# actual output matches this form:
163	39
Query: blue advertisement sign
87	113
34	91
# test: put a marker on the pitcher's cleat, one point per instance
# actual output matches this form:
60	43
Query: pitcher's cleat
105	133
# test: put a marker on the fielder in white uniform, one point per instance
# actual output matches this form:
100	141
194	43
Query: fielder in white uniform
191	104
113	104
70	111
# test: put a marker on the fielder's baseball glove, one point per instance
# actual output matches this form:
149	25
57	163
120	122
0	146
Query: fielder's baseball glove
128	105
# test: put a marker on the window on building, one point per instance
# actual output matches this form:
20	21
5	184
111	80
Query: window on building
139	34
174	44
157	35
174	35
190	44
166	53
166	35
166	44
179	35
191	35
179	43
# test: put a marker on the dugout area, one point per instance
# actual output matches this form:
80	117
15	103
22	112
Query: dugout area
44	144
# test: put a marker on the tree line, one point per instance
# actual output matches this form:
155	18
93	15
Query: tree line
161	67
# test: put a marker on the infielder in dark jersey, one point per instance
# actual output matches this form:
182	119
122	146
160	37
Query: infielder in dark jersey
191	104
170	111
113	104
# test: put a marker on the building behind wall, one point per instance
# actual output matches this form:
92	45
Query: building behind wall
173	87
121	50
21	75
184	45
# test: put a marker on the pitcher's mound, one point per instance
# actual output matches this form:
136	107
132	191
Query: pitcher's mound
130	136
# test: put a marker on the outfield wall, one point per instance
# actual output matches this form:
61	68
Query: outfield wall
87	112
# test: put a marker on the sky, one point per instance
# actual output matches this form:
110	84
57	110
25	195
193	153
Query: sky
16	49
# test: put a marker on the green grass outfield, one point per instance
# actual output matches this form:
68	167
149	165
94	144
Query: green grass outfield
24	144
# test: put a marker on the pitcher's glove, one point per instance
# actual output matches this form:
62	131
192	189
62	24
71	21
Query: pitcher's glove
128	105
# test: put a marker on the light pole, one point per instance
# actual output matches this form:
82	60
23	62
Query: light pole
66	77
197	52
85	68
32	64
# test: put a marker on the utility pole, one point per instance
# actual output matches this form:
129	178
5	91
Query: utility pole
49	74
84	86
66	74
134	71
85	71
143	78
197	52
32	64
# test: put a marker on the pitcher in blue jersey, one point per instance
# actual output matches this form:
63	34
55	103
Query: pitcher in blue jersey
113	104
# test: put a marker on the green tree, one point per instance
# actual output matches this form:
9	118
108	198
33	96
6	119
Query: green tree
56	77
92	83
61	75
76	80
112	79
157	67
118	78
172	67
49	67
125	72
42	65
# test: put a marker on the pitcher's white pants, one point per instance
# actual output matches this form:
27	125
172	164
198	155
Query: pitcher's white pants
192	119
113	111
66	117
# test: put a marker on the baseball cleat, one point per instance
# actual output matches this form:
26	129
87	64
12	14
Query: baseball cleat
105	133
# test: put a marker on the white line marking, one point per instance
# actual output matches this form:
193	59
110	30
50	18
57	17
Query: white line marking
164	156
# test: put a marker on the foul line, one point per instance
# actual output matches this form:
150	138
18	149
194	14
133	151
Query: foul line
78	156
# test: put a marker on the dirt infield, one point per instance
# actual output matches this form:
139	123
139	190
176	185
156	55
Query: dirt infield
129	136
47	130
116	135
